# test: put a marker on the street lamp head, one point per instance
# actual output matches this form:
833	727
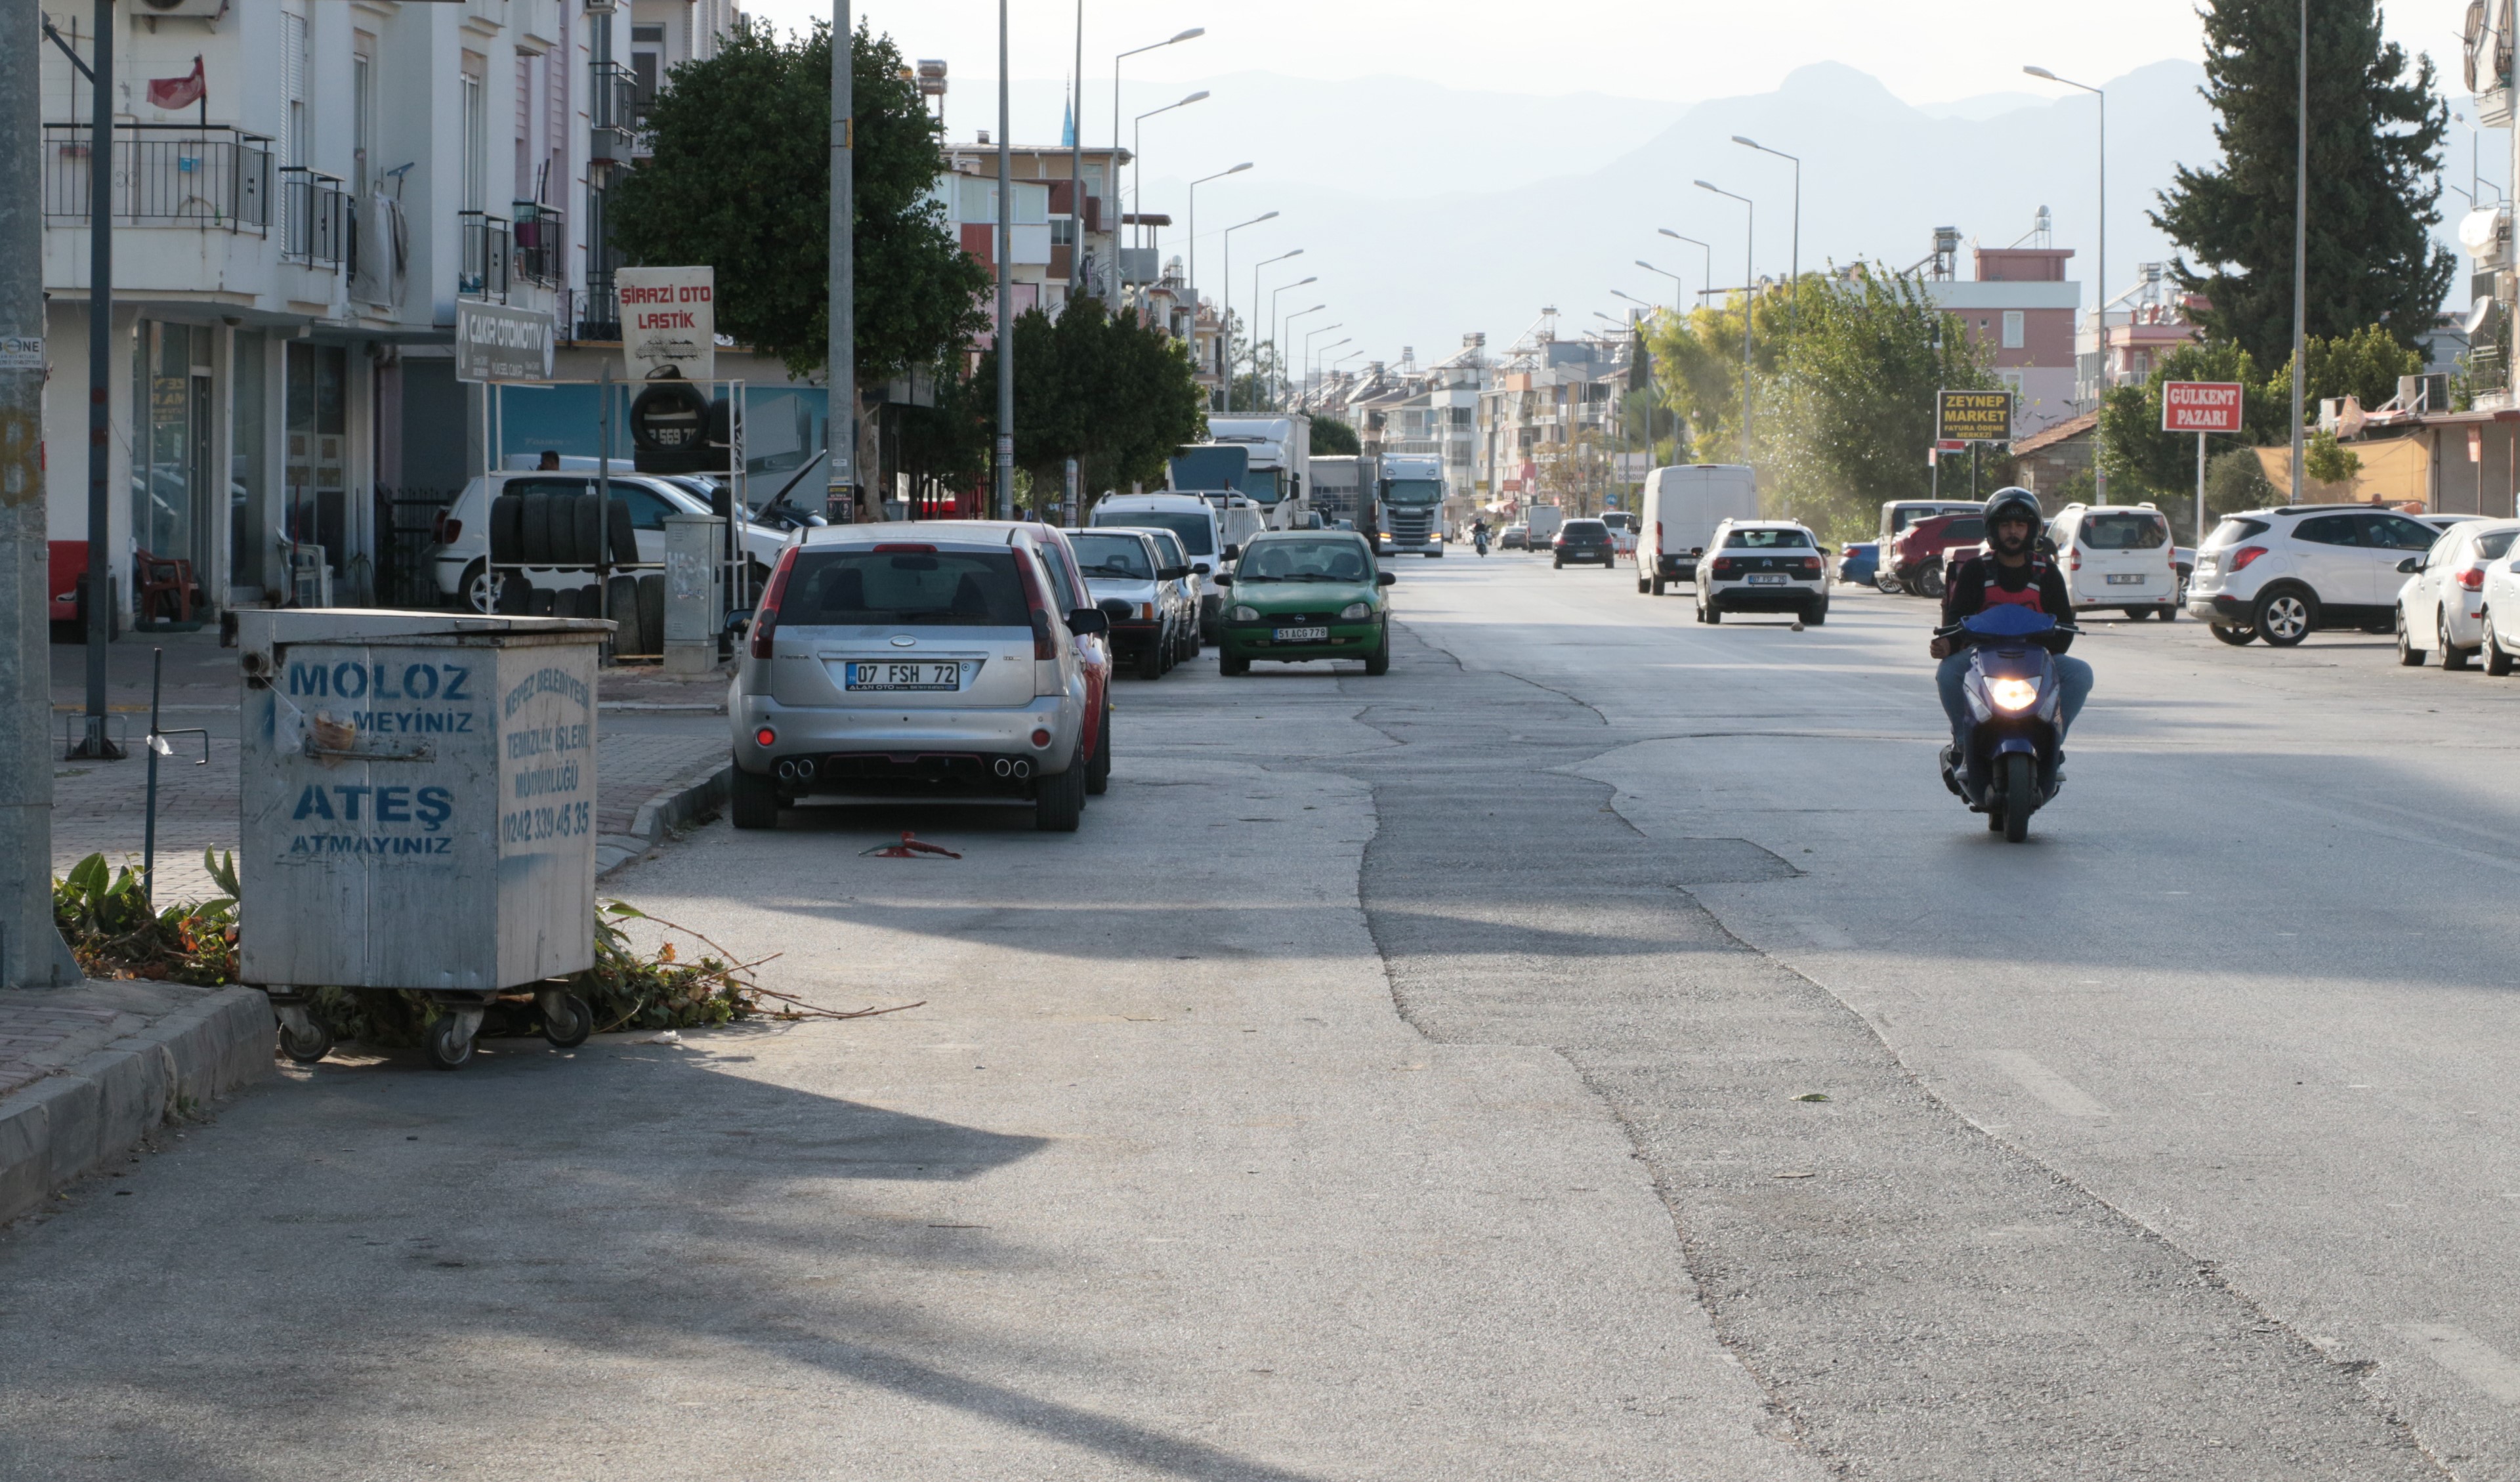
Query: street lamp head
2040	71
1745	140
1263	216
1198	97
1300	281
1704	186
1668	231
1238	169
1647	266
1193	35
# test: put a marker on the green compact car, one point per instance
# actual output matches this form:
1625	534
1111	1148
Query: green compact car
1305	593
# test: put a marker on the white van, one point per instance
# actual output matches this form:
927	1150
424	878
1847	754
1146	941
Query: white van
2118	555
1683	506
1213	529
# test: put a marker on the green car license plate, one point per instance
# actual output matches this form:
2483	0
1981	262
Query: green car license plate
894	674
1302	635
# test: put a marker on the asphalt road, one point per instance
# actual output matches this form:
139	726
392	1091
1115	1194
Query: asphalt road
1598	1048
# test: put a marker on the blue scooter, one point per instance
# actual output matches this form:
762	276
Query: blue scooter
2008	738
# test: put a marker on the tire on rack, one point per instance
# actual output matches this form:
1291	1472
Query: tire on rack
752	799
2453	655
564	602
542	602
622	605
507	528
1058	802
534	530
586	518
652	611
515	596
2284	617
2017	785
619	532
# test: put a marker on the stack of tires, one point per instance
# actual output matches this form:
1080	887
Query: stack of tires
563	535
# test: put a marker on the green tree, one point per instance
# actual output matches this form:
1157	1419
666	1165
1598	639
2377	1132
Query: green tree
2374	152
2142	458
1100	388
2365	364
1334	438
739	179
2329	461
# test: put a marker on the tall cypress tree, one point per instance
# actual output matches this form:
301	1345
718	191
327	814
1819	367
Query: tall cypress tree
2375	135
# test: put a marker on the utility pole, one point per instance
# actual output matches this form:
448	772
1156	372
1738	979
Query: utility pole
1004	496
100	354
31	953
2300	247
841	494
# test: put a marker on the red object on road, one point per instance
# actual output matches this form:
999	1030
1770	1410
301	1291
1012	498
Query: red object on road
2200	406
911	847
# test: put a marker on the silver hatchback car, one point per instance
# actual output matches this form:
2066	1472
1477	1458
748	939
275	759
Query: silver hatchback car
923	658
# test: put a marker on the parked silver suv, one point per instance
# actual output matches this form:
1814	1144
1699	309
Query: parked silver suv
921	659
2280	574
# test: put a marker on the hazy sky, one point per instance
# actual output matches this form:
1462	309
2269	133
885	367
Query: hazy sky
1924	52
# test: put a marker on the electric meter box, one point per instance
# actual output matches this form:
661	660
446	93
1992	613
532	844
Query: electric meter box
418	797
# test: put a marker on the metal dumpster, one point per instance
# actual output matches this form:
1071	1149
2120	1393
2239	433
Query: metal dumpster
419	813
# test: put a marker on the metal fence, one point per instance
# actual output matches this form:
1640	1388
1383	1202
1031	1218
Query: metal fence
407	529
488	245
541	235
214	177
591	313
315	213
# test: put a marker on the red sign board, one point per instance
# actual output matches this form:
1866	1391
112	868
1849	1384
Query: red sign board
2200	406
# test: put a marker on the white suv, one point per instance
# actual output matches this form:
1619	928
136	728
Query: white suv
1762	565
2279	574
2451	593
2118	555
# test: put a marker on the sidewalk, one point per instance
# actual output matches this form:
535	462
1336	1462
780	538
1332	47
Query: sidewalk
661	749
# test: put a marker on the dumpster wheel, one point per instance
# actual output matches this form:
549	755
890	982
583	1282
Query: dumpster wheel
304	1038
449	1039
566	1020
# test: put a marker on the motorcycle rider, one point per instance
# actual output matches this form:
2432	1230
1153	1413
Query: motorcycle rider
2015	572
1479	534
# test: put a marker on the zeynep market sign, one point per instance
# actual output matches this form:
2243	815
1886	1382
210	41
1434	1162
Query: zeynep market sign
668	318
2200	406
1973	416
496	342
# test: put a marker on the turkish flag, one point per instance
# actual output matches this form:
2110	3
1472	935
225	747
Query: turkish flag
179	91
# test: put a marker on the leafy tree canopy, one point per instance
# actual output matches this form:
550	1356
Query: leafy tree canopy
2375	136
1334	438
741	180
1100	388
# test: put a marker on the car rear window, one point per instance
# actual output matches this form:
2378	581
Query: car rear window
2125	532
975	589
2234	530
1964	531
1586	527
1120	556
1296	558
1764	540
1194	529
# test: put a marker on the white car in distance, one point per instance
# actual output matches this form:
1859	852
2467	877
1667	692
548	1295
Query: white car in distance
2117	556
2447	603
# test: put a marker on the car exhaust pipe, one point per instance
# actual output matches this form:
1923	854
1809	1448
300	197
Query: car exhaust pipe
804	769
1021	767
787	770
1005	767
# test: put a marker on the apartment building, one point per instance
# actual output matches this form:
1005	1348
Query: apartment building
1055	249
300	194
1553	406
2019	304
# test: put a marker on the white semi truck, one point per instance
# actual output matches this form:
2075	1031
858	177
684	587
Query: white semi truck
1411	493
1265	459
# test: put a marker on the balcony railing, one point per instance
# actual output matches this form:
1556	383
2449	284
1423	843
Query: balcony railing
488	247
315	213
163	175
541	235
592	313
614	113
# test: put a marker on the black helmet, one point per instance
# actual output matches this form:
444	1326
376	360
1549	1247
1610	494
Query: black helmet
2017	503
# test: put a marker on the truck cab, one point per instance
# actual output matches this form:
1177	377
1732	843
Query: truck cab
1411	490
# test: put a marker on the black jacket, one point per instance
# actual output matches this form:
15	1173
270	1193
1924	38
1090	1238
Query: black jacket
1964	591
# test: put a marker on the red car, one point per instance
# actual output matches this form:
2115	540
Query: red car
1919	553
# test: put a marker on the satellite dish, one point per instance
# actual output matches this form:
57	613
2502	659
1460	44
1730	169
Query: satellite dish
2479	315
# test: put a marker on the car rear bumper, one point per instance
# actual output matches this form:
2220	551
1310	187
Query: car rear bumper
2217	608
824	731
1792	597
1252	641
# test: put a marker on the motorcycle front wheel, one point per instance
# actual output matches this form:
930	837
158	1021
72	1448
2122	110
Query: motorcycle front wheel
2017	784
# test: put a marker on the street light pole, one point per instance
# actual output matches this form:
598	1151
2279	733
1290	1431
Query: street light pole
1793	305
1648	352
1277	359
1273	297
1749	297
839	344
2301	250
1225	323
1224	330
1306	359
1005	498
1137	155
1290	318
1134	176
2101	297
1705	254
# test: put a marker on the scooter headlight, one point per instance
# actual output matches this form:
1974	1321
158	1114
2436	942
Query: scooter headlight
2012	694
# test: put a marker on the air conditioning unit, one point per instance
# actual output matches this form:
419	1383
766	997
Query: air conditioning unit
200	9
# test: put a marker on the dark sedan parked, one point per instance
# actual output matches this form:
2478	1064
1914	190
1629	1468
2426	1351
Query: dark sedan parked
1587	540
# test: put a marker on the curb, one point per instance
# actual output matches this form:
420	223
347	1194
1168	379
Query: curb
678	803
97	1108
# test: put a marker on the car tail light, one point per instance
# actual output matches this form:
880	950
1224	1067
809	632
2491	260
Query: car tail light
2473	578
2073	561
2241	557
1657	537
1045	641
1041	738
1724	565
765	617
1811	563
765	737
444	530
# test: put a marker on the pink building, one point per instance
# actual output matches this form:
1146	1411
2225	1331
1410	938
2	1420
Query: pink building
2022	305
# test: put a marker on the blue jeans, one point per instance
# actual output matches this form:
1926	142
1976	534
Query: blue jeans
2073	685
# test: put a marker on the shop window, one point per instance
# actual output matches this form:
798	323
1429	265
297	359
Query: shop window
316	475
